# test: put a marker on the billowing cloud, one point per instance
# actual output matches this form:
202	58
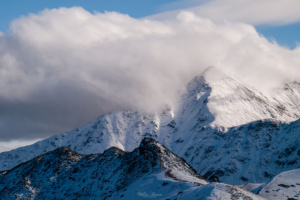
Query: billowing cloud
256	12
64	67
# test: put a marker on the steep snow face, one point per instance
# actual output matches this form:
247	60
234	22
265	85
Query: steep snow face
221	101
150	171
284	186
213	128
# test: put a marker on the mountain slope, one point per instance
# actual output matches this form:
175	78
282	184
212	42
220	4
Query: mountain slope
214	127
289	96
286	185
221	101
245	150
254	152
150	170
64	173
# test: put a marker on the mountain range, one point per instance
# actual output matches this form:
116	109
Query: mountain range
115	174
218	125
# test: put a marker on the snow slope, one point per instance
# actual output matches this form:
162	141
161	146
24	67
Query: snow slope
220	127
123	129
150	171
284	186
289	96
221	101
254	152
162	188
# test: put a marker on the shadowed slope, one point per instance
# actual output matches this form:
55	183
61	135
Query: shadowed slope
65	174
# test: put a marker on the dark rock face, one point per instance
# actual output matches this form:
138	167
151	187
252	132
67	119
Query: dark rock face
214	178
65	174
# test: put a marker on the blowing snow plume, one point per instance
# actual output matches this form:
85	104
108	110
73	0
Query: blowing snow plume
63	67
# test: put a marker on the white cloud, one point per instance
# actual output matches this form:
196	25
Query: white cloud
63	67
4	148
256	12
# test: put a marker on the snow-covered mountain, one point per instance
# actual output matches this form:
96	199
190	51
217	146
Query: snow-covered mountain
221	101
151	170
219	126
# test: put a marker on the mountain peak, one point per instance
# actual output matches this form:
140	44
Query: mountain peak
213	74
148	140
208	77
113	151
213	71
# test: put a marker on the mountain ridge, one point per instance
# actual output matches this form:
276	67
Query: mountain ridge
215	119
151	170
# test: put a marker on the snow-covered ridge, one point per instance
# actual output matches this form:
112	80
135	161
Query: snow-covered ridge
151	170
63	173
228	103
220	128
123	129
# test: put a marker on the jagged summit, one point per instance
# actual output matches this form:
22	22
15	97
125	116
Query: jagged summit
113	151
148	140
213	73
207	77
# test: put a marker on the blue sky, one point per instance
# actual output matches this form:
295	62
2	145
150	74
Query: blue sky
285	35
135	8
